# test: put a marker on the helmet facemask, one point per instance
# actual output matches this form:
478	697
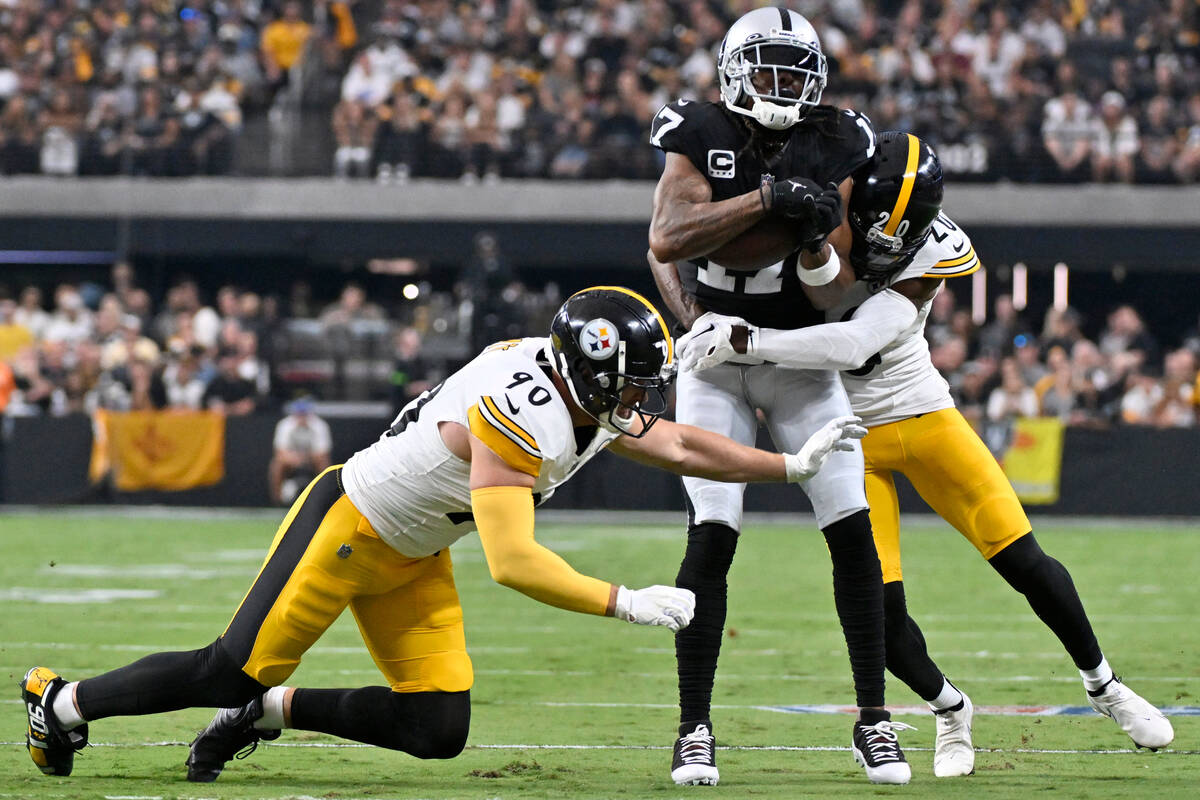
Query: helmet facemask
877	256
775	103
619	401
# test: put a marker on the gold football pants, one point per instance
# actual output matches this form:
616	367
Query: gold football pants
325	557
953	471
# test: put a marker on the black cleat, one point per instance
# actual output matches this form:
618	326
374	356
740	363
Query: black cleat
877	751
694	762
50	747
230	734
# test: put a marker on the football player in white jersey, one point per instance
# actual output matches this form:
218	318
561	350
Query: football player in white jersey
477	452
903	250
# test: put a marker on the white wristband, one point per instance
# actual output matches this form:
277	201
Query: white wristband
622	606
823	274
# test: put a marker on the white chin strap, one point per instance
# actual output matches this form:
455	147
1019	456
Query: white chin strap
774	116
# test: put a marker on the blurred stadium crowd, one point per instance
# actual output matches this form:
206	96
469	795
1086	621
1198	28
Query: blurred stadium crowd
90	346
1026	90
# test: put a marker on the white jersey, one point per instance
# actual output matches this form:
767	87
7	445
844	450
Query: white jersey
900	380
415	492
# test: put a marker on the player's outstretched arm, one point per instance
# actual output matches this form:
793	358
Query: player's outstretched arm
715	339
688	450
502	503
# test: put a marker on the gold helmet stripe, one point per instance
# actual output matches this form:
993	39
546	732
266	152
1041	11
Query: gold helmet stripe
906	187
661	322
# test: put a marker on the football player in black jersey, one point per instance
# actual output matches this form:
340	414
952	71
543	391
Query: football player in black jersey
768	151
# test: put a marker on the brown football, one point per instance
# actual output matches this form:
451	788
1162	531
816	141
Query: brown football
768	241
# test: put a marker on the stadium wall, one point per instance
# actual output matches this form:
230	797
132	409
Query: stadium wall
577	224
1119	472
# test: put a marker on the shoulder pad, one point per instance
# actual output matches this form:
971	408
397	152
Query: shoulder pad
947	253
518	415
857	141
678	121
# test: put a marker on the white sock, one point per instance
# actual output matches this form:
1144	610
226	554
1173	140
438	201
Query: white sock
949	697
64	708
1093	679
272	718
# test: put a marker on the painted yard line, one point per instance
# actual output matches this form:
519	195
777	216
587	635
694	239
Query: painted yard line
606	518
658	651
74	796
156	648
802	678
746	748
990	711
664	675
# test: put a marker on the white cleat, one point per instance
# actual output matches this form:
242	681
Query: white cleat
695	758
877	751
953	752
1144	723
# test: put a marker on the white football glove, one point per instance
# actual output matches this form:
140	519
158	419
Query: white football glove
707	343
837	434
656	605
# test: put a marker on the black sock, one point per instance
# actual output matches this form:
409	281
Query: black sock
706	562
907	656
858	596
1051	593
168	682
423	724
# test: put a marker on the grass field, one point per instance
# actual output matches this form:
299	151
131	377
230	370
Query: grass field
567	706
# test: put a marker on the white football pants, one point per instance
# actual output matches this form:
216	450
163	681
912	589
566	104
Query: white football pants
795	404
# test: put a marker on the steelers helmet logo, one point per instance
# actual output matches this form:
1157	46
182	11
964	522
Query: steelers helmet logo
599	339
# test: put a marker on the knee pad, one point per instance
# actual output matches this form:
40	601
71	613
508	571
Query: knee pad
445	720
709	554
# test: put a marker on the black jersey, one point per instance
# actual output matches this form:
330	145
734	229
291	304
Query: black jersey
828	145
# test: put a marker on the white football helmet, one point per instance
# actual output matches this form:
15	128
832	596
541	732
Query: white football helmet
777	41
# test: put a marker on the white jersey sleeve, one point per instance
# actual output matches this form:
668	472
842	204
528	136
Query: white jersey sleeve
416	493
900	381
947	253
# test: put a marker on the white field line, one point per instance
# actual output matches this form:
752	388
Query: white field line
674	519
668	675
746	748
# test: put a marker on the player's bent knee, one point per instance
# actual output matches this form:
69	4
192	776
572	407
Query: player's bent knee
1019	560
442	722
709	554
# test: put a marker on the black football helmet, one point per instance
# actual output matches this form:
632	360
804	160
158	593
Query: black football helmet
896	198
612	349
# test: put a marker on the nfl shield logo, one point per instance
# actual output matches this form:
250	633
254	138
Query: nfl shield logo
599	339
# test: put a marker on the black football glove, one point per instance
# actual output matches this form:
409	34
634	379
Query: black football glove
818	211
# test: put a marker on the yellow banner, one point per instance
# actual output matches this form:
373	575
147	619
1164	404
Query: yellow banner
169	450
1033	462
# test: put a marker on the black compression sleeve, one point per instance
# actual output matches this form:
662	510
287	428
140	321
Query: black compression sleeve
423	724
706	562
167	682
858	596
1051	593
907	656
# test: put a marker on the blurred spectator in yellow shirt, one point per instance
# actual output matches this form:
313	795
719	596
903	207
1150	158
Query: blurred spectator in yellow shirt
14	337
283	43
